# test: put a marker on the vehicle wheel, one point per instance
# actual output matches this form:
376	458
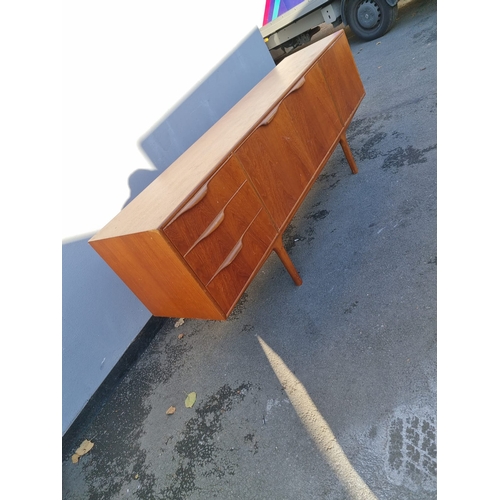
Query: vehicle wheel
370	19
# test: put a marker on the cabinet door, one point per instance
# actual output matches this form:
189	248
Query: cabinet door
314	116
276	160
342	77
283	153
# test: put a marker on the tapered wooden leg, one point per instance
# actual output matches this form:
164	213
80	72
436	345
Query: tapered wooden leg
348	154
287	262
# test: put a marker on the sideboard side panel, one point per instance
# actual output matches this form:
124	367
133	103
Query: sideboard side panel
157	275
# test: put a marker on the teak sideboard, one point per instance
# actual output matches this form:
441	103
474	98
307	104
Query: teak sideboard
190	244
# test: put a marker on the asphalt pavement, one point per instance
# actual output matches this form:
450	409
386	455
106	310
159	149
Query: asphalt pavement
323	391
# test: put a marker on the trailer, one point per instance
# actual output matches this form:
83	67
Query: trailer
290	23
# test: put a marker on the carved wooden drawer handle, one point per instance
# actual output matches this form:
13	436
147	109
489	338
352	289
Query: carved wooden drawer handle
202	192
210	229
232	255
297	86
267	120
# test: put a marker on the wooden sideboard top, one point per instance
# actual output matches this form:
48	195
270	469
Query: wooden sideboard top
159	201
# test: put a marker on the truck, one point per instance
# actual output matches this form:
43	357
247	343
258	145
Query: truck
288	24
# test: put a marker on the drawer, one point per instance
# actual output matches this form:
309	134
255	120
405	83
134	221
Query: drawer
213	247
199	212
234	274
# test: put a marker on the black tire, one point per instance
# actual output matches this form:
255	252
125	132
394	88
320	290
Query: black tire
370	19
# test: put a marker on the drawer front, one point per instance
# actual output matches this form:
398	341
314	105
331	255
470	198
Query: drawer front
234	274
214	246
199	212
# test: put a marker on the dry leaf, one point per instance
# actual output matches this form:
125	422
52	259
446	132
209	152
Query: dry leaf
171	410
180	336
190	400
179	323
84	448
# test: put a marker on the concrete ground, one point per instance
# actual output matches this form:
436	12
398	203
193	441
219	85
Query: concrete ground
323	391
